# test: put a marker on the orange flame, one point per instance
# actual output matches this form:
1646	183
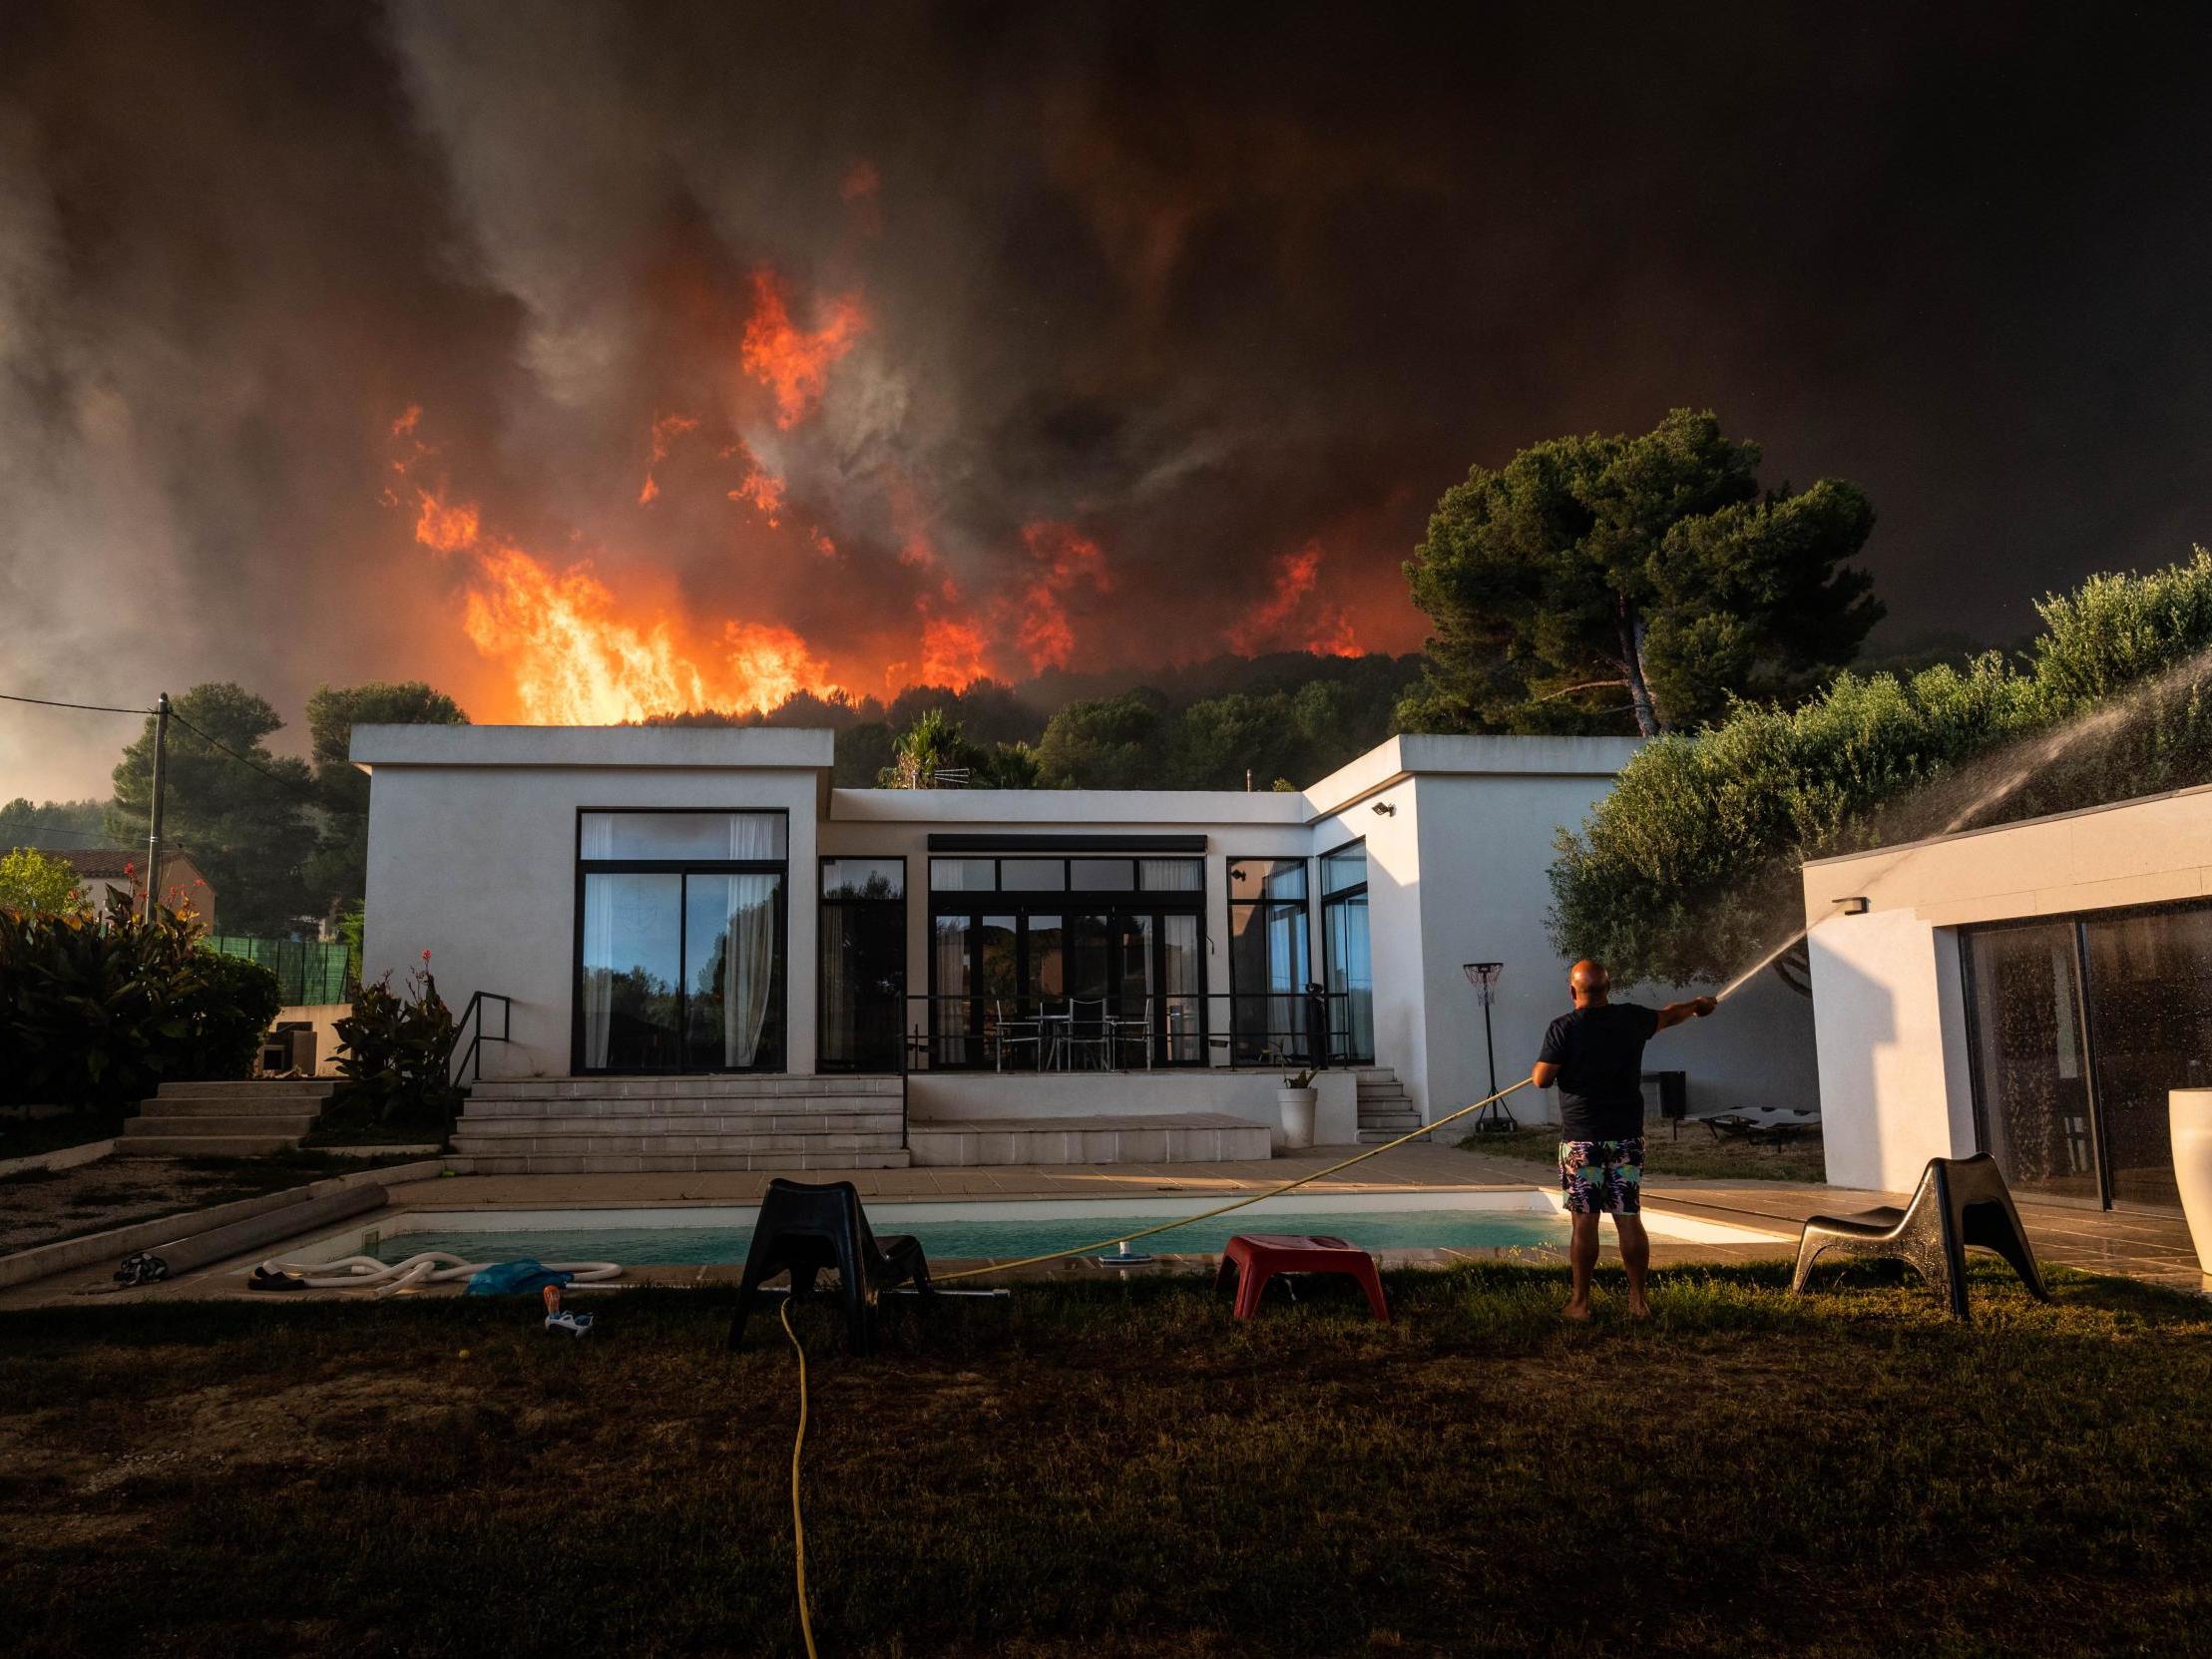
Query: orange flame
445	529
576	660
1063	559
665	430
790	361
1289	618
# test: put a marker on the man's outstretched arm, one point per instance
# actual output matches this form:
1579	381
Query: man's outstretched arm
1545	1074
1695	1009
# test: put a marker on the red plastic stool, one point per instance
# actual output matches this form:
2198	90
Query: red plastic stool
1254	1258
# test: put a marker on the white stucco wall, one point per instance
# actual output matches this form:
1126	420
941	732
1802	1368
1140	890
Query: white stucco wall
472	856
472	853
1896	1080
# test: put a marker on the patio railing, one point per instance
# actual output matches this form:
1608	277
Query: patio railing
1262	1030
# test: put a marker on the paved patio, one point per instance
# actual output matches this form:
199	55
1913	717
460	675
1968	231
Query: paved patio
2154	1248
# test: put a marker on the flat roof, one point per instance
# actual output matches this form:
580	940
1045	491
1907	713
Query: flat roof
1890	848
806	748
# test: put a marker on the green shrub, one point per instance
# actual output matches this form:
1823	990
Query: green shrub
393	1055
99	1009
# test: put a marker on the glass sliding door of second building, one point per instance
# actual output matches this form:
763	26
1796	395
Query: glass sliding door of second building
680	942
2079	1027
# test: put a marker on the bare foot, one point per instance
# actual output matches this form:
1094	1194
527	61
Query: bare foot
1639	1309
1576	1311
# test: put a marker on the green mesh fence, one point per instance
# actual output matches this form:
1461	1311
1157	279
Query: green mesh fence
305	971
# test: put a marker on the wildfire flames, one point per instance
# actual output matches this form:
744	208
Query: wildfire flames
576	653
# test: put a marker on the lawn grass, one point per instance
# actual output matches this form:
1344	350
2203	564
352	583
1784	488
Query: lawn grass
1088	1469
1694	1153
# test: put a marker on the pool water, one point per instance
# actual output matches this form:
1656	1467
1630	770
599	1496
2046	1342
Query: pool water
1025	1236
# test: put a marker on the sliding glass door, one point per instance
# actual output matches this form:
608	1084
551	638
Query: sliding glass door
2080	1025
1348	962
1270	959
680	950
2031	1060
863	963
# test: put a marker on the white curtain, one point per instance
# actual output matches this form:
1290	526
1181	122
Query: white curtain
748	965
599	982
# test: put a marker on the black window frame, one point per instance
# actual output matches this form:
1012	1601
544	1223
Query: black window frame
2084	980
683	866
823	900
974	904
1324	900
1238	1053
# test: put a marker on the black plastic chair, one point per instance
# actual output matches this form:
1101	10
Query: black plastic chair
1959	1202
804	1229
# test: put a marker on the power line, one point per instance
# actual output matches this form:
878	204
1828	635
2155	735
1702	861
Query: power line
289	784
50	702
52	828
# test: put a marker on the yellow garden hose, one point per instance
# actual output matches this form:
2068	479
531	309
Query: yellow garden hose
798	1522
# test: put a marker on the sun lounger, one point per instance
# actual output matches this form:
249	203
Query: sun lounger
1959	1202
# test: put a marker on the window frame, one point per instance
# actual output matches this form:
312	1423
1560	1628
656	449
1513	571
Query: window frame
586	867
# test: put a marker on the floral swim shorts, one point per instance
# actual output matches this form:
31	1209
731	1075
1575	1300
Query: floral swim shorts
1603	1177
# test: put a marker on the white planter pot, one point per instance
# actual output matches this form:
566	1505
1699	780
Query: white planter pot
1297	1106
2189	1115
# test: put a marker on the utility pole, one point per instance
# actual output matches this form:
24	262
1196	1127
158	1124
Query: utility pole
154	827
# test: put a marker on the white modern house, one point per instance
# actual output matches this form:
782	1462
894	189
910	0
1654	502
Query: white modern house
2031	989
702	954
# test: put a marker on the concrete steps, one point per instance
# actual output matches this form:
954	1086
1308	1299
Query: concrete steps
594	1126
224	1121
1164	1137
1386	1110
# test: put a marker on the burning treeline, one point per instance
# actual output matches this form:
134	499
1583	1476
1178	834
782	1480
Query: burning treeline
602	633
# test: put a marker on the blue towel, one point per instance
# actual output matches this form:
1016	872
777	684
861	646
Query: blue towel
514	1279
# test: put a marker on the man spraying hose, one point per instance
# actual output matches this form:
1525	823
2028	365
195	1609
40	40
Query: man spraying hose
1595	1056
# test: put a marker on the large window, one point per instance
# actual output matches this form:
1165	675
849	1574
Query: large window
863	963
1347	963
1270	957
680	943
1117	939
2079	1027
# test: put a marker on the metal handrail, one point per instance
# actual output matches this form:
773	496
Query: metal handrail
471	1059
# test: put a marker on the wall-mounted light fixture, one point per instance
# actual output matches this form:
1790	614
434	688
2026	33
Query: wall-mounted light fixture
1386	809
1851	907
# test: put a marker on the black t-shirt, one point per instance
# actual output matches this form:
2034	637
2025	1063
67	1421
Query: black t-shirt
1600	1053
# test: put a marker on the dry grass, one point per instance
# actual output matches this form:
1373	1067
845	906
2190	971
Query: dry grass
1088	1469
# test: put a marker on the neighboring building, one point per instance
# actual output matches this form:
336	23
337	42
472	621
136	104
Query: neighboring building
101	872
2031	989
686	902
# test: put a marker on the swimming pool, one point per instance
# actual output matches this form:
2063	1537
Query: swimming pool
697	1235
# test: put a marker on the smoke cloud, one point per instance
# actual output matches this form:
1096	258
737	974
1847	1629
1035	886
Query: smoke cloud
585	358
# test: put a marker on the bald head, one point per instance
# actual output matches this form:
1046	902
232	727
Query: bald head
1589	983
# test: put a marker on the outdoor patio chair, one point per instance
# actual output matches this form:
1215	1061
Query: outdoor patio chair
1020	1033
1959	1202
804	1229
1137	1031
1082	1038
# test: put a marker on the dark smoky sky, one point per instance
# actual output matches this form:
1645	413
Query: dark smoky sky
1210	284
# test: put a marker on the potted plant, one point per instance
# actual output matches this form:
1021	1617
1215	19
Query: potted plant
1296	1101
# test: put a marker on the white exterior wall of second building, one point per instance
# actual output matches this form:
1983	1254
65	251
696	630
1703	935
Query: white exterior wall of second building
1896	1078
